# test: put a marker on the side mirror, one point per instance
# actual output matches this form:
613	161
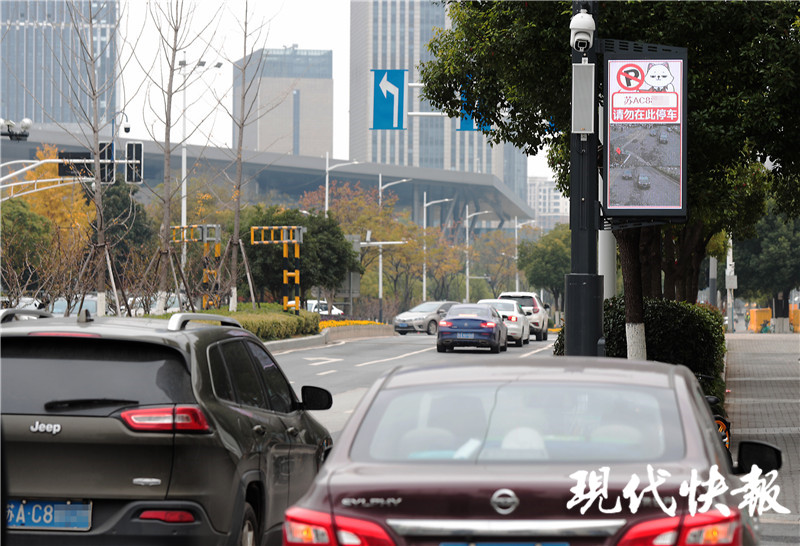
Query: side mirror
529	313
316	398
767	456
547	306
712	400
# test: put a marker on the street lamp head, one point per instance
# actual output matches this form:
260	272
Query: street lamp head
25	124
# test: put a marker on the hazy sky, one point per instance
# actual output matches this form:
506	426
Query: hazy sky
311	24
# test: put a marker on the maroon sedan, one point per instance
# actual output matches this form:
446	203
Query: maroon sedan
552	452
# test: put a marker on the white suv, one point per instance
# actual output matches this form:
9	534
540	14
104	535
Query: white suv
537	312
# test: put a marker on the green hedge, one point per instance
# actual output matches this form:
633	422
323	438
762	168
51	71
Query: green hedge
676	332
270	322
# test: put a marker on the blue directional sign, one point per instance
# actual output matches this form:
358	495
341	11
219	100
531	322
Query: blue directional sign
388	99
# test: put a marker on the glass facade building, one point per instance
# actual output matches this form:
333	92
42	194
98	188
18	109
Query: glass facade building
43	73
393	35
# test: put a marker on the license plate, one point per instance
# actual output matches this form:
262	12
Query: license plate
49	515
504	544
464	335
402	324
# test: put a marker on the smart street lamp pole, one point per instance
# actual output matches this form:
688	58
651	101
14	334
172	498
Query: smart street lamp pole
328	169
9	129
425	206
516	249
583	286
467	216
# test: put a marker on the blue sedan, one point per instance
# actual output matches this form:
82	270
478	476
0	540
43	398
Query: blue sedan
472	325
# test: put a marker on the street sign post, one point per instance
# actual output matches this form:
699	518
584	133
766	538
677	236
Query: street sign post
133	162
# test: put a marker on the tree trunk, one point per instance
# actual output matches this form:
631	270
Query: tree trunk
628	242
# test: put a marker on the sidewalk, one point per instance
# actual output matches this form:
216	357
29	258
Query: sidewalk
763	377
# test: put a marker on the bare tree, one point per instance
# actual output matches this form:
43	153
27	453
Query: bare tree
177	33
86	71
248	110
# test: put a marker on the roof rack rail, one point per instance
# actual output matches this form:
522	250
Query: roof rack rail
178	321
7	315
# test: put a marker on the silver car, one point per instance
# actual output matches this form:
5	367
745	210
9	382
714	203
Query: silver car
515	319
537	311
422	318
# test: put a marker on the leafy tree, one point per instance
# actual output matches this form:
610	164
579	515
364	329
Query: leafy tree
546	261
445	263
326	256
507	64
769	263
24	234
494	251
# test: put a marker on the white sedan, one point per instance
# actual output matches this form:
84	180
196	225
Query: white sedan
515	319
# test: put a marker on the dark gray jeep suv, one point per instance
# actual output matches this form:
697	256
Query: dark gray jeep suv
134	431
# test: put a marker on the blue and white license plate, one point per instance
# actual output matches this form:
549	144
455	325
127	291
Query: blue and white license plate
49	515
465	335
504	544
402	324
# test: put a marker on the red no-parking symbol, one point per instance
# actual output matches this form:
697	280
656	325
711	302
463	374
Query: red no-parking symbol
630	77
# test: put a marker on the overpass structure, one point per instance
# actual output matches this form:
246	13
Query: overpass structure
290	176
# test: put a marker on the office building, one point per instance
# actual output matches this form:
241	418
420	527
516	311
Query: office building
293	111
43	73
548	203
392	35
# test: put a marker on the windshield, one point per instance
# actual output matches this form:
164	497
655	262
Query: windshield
524	301
427	307
525	421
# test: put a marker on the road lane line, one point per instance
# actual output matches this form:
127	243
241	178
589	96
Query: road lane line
321	359
327	372
539	350
393	358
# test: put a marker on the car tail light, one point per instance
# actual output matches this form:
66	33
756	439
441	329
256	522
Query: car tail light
707	528
168	516
445	323
166	419
487	324
512	318
302	526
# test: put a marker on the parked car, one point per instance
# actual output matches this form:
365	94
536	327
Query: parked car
515	319
321	307
663	138
424	317
537	312
643	181
495	451
150	431
472	325
627	174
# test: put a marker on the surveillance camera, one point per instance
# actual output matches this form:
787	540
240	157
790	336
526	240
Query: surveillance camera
126	127
581	29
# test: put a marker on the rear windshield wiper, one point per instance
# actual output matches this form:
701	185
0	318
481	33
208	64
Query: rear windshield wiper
79	403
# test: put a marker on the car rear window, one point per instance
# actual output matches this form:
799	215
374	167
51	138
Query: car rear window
38	370
523	301
522	421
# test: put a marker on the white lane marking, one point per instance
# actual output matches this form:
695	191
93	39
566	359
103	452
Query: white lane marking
288	351
327	372
393	358
539	350
322	360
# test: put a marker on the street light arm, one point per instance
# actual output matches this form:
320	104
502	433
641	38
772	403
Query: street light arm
384	186
438	201
330	168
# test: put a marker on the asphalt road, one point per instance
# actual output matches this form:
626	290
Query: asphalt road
348	368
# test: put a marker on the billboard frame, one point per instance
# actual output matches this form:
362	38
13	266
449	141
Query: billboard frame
616	51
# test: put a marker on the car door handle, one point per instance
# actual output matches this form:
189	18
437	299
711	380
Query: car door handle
293	431
258	429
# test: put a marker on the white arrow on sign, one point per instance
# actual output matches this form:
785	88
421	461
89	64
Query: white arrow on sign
321	360
387	87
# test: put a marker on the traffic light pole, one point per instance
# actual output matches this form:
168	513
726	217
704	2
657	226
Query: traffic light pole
583	286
